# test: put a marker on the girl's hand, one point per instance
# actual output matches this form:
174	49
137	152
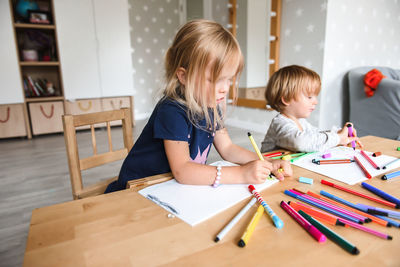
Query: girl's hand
281	168
256	171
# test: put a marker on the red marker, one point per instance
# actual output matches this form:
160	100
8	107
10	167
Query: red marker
275	154
367	174
384	202
369	160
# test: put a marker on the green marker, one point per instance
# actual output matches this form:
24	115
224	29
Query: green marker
346	245
299	157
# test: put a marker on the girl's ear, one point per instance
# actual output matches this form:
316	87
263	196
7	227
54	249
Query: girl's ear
284	101
181	74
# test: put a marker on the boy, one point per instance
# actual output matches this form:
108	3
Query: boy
293	92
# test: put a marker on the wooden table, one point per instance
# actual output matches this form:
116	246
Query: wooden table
125	229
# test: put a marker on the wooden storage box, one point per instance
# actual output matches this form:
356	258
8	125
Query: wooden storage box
83	106
112	103
46	117
252	93
12	120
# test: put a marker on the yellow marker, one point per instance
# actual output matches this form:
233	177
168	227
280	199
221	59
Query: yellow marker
255	146
287	157
250	228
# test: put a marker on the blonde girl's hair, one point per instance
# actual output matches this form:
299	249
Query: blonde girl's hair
197	44
288	83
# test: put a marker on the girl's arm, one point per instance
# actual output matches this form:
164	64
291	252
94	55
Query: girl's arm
239	155
230	151
186	171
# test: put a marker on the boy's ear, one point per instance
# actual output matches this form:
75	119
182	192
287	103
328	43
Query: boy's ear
181	74
284	101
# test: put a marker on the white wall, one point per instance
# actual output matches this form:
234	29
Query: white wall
11	91
257	53
358	33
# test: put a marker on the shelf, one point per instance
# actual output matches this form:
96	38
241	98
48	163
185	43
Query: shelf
39	63
44	98
34	26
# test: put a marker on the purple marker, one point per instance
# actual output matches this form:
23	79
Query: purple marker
350	129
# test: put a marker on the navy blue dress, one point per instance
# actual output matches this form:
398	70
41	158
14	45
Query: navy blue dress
147	157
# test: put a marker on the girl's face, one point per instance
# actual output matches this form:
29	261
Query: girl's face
222	84
302	106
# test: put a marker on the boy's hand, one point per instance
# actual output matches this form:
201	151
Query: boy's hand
344	135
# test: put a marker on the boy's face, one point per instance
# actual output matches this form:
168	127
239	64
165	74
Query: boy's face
302	106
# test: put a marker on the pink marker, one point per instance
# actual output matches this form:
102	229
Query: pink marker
339	209
350	129
320	237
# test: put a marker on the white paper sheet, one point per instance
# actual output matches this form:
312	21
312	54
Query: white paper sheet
349	173
197	203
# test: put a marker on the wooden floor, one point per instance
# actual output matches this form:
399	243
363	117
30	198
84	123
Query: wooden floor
34	174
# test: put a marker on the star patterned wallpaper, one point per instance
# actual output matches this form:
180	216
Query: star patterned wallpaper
329	36
153	26
358	33
332	37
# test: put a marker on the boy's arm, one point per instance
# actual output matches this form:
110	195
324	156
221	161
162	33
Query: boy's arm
308	140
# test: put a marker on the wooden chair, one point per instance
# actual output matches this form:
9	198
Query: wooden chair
76	165
139	184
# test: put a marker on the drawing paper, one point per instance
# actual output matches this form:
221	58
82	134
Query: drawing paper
197	203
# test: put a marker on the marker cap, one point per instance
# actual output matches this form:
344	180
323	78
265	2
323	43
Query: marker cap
320	237
277	221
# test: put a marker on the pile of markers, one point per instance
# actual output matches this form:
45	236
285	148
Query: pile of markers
355	159
330	209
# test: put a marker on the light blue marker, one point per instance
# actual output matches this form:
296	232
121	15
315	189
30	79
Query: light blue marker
277	221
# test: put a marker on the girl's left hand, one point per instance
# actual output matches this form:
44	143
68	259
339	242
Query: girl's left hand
281	168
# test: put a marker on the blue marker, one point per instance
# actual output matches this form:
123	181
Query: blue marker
382	194
391	175
277	221
338	199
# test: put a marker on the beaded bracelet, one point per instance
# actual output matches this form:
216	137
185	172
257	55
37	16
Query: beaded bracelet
218	177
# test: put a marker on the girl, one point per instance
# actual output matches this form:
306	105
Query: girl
200	66
293	92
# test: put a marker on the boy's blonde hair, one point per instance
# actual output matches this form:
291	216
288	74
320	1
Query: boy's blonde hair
196	44
288	83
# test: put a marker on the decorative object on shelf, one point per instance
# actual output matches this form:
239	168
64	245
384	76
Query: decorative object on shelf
40	41
30	55
39	17
50	89
23	6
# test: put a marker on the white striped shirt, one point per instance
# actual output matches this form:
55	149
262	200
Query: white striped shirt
284	133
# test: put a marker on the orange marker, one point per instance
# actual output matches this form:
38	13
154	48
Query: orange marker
326	217
373	218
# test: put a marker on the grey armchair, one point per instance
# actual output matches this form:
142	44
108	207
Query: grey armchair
378	115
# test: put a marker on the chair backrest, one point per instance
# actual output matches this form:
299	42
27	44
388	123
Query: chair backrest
77	165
